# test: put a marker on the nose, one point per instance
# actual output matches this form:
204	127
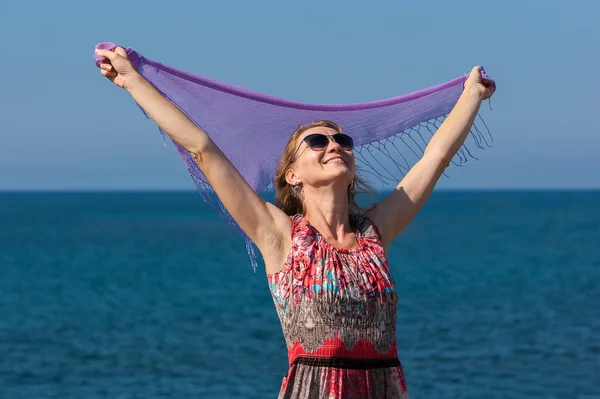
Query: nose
333	146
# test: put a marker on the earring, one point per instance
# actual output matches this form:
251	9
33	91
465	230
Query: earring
297	188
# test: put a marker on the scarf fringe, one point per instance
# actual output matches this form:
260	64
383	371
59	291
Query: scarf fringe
386	160
369	158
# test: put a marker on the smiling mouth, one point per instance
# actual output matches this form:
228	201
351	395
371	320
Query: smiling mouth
335	160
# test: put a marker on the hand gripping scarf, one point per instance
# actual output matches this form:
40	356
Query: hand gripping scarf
252	129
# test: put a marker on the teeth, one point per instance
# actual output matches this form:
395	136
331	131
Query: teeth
335	160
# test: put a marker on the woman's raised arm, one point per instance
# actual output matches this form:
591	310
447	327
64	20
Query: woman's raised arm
265	224
397	210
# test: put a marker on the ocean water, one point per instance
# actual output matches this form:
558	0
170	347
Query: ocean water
151	295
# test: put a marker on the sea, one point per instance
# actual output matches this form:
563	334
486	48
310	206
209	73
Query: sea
152	295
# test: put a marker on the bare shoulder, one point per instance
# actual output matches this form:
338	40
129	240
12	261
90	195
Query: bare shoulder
373	216
274	245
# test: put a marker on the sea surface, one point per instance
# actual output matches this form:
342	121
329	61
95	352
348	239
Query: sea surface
151	295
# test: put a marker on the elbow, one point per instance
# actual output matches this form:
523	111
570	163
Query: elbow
442	158
198	151
196	156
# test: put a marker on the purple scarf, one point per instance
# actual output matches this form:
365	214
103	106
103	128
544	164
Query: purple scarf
252	129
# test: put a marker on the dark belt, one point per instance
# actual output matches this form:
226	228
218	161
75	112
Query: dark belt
347	362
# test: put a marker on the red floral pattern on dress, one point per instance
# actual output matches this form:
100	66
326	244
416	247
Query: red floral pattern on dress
336	305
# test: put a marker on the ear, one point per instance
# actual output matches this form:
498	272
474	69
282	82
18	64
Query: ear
291	178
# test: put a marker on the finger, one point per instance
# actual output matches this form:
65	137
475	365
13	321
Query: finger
106	66
107	54
489	83
476	70
108	74
475	74
121	51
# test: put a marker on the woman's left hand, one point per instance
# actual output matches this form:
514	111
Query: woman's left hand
483	87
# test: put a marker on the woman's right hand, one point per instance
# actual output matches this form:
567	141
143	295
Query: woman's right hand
117	67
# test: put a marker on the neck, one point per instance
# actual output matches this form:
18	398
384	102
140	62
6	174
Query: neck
327	210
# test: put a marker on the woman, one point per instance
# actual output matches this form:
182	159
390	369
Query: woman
325	260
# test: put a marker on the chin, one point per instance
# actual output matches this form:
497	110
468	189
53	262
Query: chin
342	176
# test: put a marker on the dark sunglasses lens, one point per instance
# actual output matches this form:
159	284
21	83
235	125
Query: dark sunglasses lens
317	141
320	141
344	141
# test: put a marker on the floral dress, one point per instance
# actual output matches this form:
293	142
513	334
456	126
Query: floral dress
337	309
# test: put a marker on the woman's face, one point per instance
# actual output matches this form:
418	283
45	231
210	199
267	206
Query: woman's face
321	167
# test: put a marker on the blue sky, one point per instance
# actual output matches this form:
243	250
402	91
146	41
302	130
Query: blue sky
65	127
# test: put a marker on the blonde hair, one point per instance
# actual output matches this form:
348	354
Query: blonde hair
290	201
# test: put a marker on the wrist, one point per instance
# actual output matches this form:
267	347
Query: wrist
474	92
133	82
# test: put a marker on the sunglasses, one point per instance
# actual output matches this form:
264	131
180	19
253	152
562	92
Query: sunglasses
320	141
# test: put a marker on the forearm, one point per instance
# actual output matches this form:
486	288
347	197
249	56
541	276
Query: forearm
167	116
453	132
